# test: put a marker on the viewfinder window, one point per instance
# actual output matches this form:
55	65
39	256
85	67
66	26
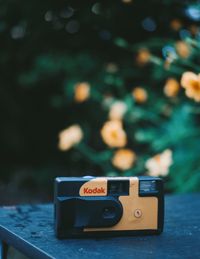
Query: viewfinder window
116	187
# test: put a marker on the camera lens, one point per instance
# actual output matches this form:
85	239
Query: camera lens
108	213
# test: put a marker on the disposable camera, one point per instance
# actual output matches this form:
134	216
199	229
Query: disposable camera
108	206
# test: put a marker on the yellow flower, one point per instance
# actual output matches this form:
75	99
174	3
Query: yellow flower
70	137
82	92
113	134
143	56
171	87
159	164
176	24
123	159
183	49
139	94
191	82
117	110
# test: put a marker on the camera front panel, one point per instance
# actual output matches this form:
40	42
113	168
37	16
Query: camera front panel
98	206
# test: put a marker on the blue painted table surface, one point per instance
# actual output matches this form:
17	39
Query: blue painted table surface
30	230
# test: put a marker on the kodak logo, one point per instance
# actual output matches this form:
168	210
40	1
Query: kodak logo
94	190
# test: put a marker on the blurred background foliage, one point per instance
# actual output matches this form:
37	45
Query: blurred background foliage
47	47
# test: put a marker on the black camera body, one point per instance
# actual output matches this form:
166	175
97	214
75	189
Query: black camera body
108	206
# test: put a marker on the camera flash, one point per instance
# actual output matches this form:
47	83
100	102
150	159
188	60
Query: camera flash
148	186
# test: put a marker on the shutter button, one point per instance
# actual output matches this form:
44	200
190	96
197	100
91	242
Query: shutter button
137	213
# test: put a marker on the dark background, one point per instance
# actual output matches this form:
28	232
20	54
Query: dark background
44	46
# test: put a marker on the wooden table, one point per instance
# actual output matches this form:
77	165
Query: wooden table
29	229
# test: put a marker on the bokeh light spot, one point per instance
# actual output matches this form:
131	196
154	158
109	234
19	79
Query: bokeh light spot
96	8
193	12
72	26
67	13
149	24
48	16
17	32
169	51
184	34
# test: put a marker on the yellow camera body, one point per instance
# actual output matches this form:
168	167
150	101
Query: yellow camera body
107	206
